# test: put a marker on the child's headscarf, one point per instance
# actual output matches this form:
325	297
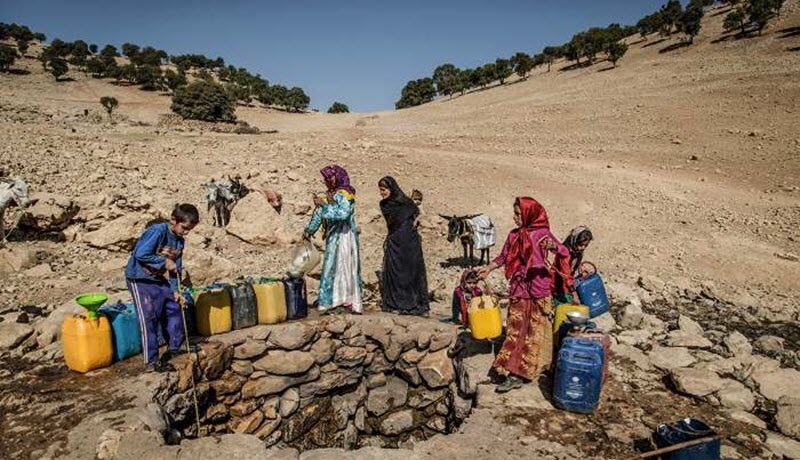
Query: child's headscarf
577	236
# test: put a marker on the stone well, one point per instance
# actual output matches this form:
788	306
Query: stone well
348	381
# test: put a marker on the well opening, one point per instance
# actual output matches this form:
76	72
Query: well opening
343	382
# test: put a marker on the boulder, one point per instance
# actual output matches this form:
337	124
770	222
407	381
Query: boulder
254	221
15	260
770	344
689	326
388	397
788	416
681	338
746	417
774	385
632	316
668	358
40	271
436	369
782	446
605	322
50	212
738	344
696	382
13	333
204	266
291	336
290	401
635	337
285	362
118	235
734	395
398	422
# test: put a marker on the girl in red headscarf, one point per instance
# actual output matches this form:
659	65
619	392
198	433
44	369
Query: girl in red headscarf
527	350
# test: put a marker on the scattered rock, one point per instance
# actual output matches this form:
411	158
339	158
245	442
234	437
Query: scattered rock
788	416
696	382
774	385
13	333
734	395
632	316
668	358
436	369
738	344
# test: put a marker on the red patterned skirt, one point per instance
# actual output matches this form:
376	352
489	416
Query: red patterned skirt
528	348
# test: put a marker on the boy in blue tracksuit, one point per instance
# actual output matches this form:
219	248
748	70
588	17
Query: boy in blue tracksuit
152	276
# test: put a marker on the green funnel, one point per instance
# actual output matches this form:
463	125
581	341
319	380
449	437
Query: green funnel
91	302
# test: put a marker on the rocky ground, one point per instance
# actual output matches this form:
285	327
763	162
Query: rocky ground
683	163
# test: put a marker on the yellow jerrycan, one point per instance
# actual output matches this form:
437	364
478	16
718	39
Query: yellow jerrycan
485	320
87	342
213	311
270	300
563	309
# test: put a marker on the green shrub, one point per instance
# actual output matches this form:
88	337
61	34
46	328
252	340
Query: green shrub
7	57
202	100
339	107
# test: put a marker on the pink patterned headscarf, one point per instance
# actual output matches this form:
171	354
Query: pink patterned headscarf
342	180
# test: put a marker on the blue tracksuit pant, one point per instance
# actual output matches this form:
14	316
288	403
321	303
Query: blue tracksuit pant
156	307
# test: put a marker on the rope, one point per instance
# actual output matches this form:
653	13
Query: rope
20	214
189	352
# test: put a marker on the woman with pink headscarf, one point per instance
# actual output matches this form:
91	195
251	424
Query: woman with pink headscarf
340	285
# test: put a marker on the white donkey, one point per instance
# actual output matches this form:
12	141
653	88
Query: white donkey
13	191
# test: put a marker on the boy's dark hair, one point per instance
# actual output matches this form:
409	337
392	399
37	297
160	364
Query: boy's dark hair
186	213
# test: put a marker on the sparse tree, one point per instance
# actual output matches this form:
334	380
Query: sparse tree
691	19
445	78
502	70
110	103
130	51
22	46
109	51
202	100
615	51
416	92
148	77
93	48
735	20
338	107
758	13
670	14
522	64
297	100
7	57
174	80
96	67
57	67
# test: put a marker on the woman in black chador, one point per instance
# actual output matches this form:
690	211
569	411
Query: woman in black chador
405	284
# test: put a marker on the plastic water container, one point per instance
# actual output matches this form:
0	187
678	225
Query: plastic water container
125	332
87	342
296	298
579	375
485	320
591	333
213	311
592	292
685	430
244	312
270	300
561	313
